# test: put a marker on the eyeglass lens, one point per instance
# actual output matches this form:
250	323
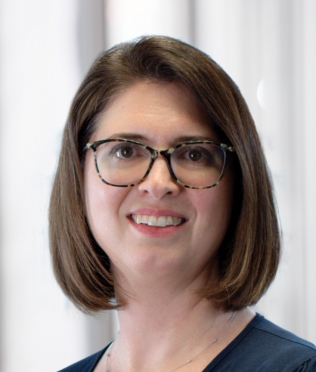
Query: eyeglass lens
195	165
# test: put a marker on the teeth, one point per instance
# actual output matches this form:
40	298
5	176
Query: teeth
152	221
161	221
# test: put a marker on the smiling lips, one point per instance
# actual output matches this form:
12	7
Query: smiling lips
157	221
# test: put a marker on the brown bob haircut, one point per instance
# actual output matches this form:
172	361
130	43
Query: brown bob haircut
249	256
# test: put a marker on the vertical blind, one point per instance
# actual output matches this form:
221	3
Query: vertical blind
267	46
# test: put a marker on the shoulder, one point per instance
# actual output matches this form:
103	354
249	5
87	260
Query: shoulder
85	365
281	342
263	346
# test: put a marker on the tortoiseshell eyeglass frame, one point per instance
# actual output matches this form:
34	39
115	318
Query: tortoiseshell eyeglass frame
154	154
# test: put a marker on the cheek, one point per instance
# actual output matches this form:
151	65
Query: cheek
214	208
102	204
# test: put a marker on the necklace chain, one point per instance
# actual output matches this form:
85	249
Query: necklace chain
212	343
108	355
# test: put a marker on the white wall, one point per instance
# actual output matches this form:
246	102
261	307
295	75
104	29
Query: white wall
45	47
126	20
39	73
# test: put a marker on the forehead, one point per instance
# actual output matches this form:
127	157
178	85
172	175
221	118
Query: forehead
158	112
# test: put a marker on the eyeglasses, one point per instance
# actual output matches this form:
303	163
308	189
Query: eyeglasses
196	164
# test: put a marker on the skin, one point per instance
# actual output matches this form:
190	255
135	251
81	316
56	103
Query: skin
157	266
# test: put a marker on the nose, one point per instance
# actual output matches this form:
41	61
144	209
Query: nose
159	182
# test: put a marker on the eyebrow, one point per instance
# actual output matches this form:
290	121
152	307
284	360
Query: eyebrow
130	136
139	137
194	138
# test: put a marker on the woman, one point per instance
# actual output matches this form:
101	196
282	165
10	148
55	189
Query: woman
162	207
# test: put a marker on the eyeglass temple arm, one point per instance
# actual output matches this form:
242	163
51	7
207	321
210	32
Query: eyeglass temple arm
226	147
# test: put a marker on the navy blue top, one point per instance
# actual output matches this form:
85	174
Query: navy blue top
260	347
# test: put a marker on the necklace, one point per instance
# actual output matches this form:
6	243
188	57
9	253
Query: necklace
108	355
212	343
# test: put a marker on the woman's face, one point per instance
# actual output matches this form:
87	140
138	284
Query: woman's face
158	115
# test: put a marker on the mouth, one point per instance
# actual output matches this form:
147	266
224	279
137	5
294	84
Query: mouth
157	221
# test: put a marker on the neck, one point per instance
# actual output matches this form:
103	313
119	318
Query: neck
165	322
153	315
167	353
153	334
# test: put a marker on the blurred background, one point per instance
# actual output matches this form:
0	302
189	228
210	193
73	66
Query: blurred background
269	49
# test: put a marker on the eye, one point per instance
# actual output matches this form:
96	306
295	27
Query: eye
125	151
194	155
202	156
